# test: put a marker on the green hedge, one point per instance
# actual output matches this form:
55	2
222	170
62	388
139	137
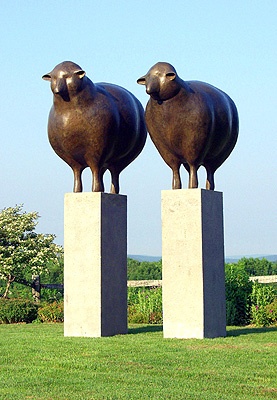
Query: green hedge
263	305
17	310
145	305
53	312
238	290
271	312
20	310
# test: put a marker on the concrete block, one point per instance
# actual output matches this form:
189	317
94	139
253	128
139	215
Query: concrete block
194	304
95	264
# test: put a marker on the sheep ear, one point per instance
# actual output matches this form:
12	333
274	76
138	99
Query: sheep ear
46	77
171	75
80	73
141	81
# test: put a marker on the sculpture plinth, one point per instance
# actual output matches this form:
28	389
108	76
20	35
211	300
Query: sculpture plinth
193	264
95	264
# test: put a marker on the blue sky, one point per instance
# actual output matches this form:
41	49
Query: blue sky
229	44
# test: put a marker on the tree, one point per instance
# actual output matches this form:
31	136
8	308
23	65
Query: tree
256	266
22	250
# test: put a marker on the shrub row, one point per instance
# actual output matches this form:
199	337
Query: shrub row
263	310
52	312
17	310
20	310
145	305
246	302
238	289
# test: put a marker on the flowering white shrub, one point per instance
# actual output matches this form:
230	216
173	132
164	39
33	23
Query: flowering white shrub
21	248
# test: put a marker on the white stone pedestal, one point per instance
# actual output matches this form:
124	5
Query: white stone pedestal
194	304
95	264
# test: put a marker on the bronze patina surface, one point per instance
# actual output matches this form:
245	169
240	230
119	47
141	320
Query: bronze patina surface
190	122
95	125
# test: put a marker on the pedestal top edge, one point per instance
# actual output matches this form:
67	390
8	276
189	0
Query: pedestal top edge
196	190
94	194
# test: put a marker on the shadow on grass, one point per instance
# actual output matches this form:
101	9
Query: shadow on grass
245	330
237	331
250	330
144	329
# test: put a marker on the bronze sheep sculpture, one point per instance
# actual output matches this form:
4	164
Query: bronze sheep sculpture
100	126
191	123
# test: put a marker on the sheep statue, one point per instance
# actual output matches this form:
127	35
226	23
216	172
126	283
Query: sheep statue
100	126
191	123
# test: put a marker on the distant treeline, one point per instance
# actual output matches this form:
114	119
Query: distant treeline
144	270
147	270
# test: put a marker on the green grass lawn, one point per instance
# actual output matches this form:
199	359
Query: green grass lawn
38	362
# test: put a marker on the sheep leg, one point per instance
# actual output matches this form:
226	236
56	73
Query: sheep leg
78	187
210	179
176	180
115	180
193	179
97	180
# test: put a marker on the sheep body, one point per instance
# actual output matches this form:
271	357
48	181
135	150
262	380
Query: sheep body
100	126
191	123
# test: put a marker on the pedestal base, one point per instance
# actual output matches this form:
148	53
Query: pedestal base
95	264
194	304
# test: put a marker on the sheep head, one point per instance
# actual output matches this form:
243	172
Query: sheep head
66	80
161	81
